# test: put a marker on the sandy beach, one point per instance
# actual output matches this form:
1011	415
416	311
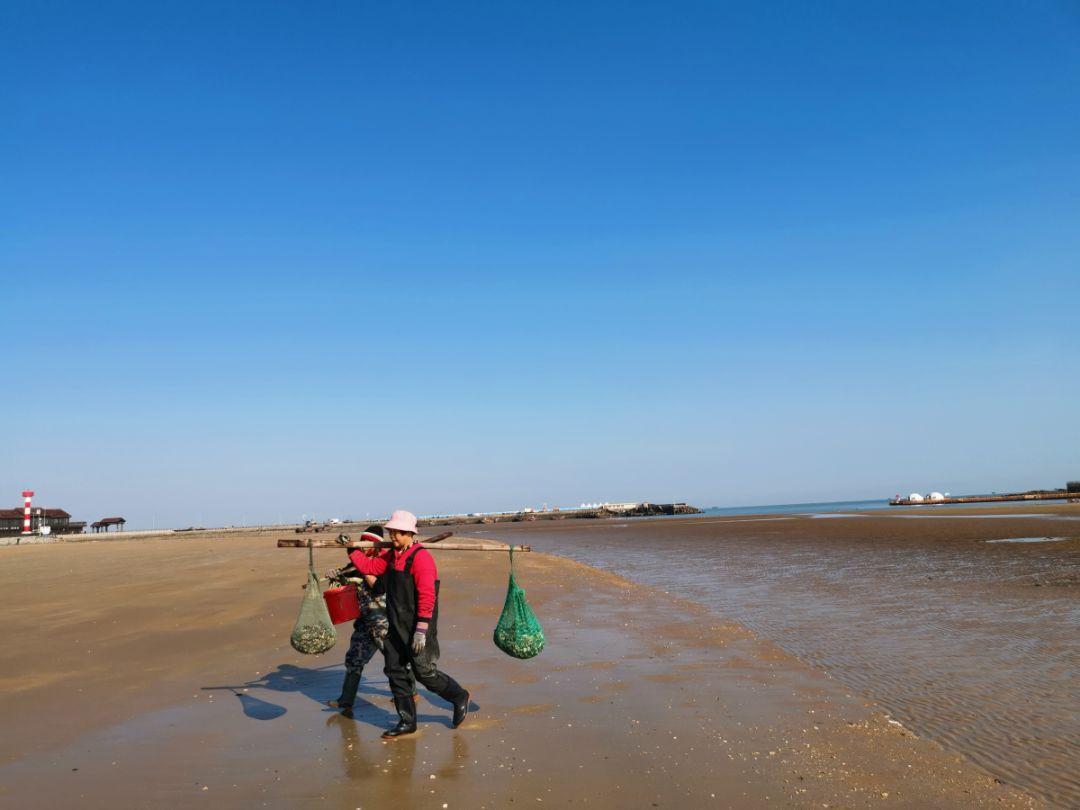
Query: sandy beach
153	673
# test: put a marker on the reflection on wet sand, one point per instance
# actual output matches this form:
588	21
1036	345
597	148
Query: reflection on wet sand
364	756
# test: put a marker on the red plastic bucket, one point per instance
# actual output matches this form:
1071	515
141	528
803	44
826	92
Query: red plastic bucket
343	604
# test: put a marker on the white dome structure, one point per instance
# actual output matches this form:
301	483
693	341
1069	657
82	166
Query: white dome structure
915	497
936	496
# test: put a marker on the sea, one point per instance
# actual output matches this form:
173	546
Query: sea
797	508
828	507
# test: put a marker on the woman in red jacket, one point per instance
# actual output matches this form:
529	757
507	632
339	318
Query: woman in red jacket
410	577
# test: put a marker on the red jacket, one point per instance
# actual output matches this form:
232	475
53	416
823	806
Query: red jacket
424	573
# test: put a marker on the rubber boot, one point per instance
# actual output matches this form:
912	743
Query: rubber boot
461	707
348	692
406	709
458	697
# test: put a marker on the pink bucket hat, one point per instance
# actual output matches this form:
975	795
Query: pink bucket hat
402	521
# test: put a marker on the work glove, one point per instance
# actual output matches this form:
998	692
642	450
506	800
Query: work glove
342	576
419	639
343	539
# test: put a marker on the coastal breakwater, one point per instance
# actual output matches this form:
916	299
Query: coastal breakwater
602	511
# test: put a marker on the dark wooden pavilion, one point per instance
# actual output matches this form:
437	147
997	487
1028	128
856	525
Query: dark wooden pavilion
105	524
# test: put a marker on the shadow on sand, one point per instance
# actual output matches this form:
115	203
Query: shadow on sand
320	684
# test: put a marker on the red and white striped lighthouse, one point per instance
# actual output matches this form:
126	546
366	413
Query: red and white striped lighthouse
27	495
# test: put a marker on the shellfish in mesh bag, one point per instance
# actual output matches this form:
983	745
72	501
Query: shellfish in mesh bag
518	632
313	633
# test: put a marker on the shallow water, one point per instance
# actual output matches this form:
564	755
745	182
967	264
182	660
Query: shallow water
1029	540
997	516
972	644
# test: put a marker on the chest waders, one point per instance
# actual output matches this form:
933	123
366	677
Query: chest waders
401	604
401	607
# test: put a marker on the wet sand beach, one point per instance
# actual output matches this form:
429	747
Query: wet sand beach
157	673
964	623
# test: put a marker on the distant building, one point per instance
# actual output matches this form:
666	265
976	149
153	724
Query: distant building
621	507
936	496
915	497
57	520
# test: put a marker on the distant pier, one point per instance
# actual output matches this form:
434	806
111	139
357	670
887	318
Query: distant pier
1042	495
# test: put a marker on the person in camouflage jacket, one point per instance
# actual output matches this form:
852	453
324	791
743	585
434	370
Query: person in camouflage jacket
369	630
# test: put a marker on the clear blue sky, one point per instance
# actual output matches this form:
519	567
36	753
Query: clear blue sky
262	260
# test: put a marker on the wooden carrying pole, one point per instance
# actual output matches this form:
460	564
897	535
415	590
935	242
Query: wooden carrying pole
296	542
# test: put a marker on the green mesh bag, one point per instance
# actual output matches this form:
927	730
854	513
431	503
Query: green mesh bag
313	633
518	632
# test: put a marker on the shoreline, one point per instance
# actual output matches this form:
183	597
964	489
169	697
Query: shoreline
638	695
572	518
